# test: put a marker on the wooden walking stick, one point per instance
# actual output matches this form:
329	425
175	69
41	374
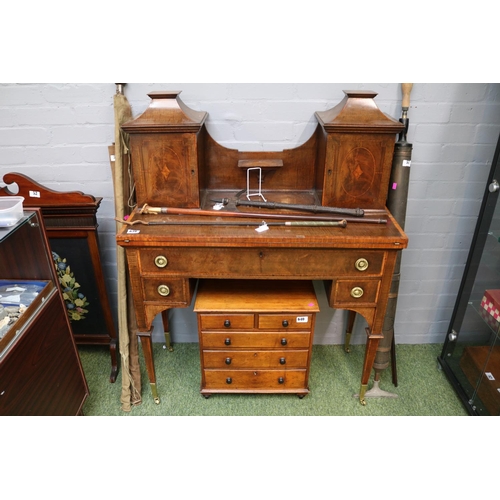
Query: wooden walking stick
146	209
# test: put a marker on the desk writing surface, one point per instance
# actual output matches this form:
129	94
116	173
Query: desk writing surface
354	235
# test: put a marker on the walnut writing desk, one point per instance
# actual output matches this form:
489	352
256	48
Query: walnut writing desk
177	166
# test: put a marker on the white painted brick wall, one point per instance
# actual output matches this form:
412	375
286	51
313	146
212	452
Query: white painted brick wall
58	134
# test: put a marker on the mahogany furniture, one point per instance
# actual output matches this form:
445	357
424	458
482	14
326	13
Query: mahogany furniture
40	369
178	167
255	336
71	224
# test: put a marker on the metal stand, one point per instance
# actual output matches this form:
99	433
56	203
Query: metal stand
259	193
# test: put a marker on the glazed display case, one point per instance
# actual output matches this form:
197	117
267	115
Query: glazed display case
471	351
40	368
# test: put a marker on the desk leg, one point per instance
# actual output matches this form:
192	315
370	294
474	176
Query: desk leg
166	330
351	316
114	361
147	349
370	353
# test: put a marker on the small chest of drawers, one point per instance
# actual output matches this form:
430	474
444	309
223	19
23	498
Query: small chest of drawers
255	335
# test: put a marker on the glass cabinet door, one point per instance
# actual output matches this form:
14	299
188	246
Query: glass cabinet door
471	352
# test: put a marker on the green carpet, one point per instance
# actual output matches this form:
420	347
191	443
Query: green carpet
423	389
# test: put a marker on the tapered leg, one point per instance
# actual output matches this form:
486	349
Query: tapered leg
114	361
370	353
351	316
166	330
147	349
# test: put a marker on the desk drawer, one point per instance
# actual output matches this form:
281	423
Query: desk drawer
226	321
289	321
167	290
260	340
255	359
252	380
355	292
266	262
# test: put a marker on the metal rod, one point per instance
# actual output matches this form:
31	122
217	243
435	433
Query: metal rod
356	212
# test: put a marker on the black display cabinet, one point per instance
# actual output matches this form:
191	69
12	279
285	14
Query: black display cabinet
471	352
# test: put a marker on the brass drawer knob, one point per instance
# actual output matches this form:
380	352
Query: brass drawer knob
227	341
284	341
357	292
285	323
229	380
164	290
227	323
161	261
228	361
282	361
361	264
281	380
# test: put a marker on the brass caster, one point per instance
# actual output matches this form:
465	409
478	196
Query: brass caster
347	349
154	393
170	348
362	392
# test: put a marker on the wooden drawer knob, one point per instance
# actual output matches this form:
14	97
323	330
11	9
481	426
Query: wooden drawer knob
357	292
361	264
227	323
227	341
161	261
164	290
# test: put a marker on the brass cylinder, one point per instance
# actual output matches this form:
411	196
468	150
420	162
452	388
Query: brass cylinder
396	203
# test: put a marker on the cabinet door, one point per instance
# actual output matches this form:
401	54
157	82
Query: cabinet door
40	374
471	352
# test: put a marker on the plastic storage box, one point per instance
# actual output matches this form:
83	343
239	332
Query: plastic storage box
11	210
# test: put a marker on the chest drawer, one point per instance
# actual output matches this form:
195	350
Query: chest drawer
226	321
291	321
255	339
255	359
254	380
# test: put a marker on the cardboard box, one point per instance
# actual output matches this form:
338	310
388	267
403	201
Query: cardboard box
476	360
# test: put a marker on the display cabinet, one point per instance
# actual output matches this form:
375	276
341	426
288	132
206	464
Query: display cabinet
70	220
40	368
471	351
